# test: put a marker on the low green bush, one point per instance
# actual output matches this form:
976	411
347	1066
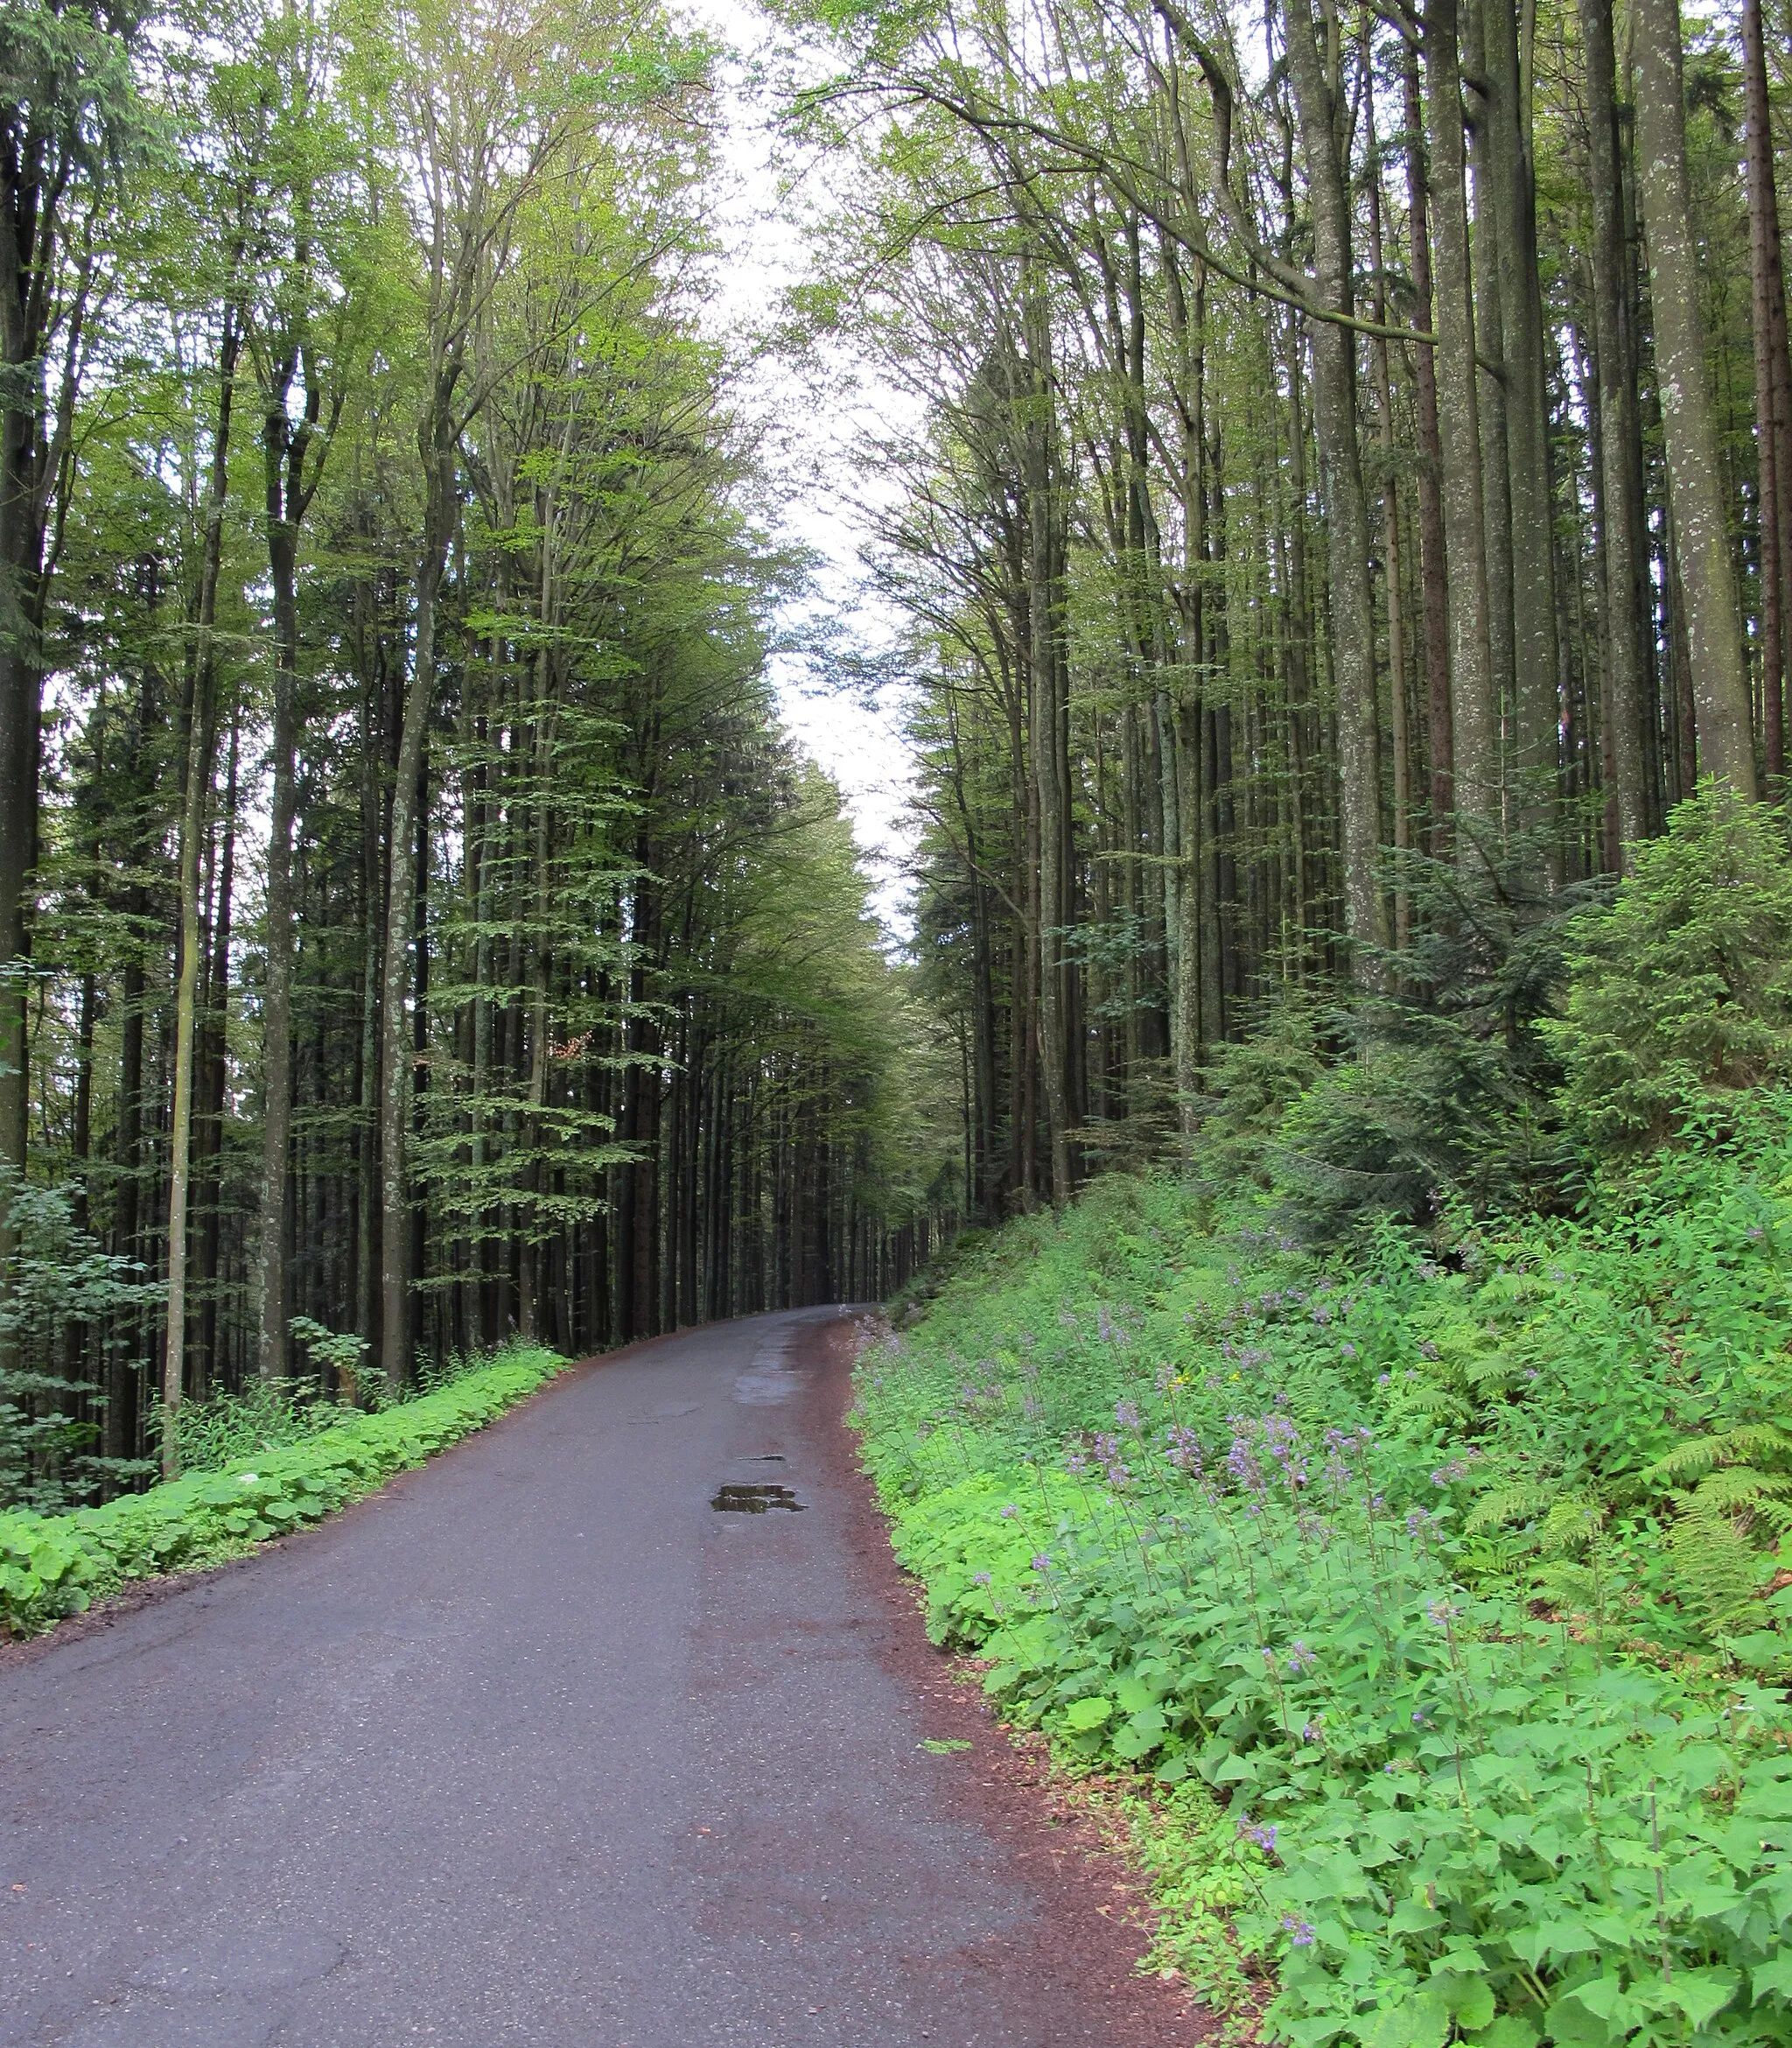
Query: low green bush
1681	987
61	1283
1399	1553
56	1565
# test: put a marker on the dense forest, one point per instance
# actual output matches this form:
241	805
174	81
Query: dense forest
1353	504
1350	508
1325	1139
419	931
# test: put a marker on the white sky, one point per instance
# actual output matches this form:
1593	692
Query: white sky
809	436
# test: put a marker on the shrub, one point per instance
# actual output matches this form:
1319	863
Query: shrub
1427	1114
59	1281
1252	1082
1681	989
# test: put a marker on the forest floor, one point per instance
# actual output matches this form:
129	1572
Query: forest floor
535	1746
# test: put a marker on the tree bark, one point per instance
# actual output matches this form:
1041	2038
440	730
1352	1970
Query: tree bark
397	1053
1473	704
1773	392
1722	707
1622	537
201	734
1433	568
1533	760
1319	103
1390	521
1050	734
287	492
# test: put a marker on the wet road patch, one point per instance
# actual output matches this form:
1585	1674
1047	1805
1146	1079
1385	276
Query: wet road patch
752	1497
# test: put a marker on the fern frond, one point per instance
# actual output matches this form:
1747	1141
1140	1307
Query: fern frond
1572	1523
1738	1487
1715	1567
1684	1463
1436	1404
1755	1443
1492	1375
1506	1505
1567	1585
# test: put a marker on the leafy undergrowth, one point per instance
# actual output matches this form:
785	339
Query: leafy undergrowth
1440	1588
56	1565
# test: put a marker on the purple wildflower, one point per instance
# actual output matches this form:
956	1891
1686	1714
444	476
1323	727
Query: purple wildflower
1299	1932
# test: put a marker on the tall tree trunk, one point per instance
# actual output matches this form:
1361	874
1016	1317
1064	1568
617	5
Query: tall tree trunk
1473	704
201	737
1390	521
1721	700
397	1053
1772	392
1622	537
285	461
1533	762
1433	568
1319	103
1188	332
1049	724
1486	281
214	1057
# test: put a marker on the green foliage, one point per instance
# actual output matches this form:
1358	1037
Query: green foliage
1251	1085
60	1282
262	1415
51	1566
1426	1113
1683	988
1392	1567
68	81
224	1428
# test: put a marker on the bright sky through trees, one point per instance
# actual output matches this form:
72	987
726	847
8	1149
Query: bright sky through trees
813	418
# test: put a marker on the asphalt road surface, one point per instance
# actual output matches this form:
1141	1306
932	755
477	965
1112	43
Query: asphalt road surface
536	1746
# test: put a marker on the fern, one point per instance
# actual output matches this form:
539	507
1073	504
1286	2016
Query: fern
1725	1496
1753	1442
1528	1502
1572	1524
1716	1567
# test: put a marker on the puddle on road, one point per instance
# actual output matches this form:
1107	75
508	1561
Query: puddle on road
753	1496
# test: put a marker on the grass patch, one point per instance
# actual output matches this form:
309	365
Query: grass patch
272	1469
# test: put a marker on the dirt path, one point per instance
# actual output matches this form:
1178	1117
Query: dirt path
536	1747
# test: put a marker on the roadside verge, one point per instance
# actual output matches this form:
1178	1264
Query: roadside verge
51	1566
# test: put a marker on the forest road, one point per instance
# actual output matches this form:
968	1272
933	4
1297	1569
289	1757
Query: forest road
536	1747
